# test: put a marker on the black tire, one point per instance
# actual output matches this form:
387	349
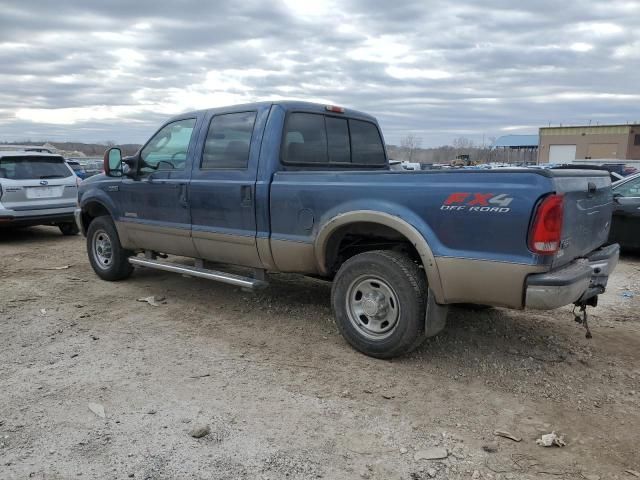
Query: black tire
69	228
399	299
107	257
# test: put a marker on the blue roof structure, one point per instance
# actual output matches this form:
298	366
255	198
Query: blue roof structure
516	141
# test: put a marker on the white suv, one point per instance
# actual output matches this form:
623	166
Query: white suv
37	189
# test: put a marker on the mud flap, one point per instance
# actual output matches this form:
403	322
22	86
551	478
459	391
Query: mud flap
436	317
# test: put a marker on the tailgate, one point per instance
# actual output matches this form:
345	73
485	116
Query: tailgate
588	205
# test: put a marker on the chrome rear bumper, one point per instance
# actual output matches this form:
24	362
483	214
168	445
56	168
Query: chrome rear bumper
576	282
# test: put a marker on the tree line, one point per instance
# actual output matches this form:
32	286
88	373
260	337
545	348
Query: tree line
410	150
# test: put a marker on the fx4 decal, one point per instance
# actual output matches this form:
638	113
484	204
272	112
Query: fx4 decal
477	202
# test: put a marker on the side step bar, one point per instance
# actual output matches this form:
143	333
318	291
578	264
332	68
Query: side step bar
230	278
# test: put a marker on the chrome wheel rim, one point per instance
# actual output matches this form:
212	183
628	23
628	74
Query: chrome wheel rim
372	307
102	249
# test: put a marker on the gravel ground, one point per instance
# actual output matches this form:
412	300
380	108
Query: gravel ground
280	392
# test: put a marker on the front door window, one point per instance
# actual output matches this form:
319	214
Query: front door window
167	150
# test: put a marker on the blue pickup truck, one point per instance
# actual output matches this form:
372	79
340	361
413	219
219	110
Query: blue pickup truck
306	188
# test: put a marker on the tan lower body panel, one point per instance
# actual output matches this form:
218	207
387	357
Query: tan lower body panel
500	284
216	247
294	257
176	241
264	251
224	248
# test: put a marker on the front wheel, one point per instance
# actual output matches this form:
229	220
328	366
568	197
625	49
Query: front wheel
378	299
107	257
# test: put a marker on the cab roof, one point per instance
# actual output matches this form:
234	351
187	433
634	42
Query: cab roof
287	105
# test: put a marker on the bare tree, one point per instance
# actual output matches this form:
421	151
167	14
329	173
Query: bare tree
409	144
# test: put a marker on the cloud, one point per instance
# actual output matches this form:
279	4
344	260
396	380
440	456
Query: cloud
98	71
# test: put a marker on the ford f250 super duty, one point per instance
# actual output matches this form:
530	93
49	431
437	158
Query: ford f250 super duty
306	188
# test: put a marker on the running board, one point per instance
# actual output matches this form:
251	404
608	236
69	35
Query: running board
230	278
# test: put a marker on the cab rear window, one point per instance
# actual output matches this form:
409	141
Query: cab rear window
366	145
32	167
323	140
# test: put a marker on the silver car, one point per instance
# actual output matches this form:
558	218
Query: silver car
37	188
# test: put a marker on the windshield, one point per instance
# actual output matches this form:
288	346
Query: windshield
28	168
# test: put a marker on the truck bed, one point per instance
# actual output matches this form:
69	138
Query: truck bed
473	228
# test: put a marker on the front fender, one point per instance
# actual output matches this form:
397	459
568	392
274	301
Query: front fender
93	200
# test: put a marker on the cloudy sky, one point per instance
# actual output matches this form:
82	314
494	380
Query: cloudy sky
113	70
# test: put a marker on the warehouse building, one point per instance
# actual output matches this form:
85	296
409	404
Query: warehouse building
519	149
568	144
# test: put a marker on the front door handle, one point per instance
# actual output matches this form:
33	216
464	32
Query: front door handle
246	196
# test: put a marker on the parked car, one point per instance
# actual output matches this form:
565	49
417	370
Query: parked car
305	188
93	167
625	226
613	175
77	169
37	189
622	169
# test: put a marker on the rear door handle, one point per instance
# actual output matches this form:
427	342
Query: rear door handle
184	200
246	196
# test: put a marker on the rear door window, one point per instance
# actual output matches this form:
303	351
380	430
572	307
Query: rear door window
33	167
228	141
366	144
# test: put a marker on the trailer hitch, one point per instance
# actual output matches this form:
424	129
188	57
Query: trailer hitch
581	316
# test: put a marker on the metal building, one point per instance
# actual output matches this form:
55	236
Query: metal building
568	144
515	149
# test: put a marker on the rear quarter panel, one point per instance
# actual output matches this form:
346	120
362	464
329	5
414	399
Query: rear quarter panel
475	223
466	226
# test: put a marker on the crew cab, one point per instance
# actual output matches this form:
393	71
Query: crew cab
306	188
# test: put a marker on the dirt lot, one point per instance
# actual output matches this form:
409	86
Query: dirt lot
283	394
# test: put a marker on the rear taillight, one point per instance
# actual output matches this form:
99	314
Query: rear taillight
546	230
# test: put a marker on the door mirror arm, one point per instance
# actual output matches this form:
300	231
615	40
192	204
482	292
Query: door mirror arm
132	166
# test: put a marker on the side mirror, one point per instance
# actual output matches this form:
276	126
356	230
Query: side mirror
113	162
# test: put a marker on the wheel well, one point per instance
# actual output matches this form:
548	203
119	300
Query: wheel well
354	238
92	211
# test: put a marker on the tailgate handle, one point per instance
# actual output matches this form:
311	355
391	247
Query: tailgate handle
591	187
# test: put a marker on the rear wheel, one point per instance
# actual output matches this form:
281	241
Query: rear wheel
107	257
379	302
69	228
